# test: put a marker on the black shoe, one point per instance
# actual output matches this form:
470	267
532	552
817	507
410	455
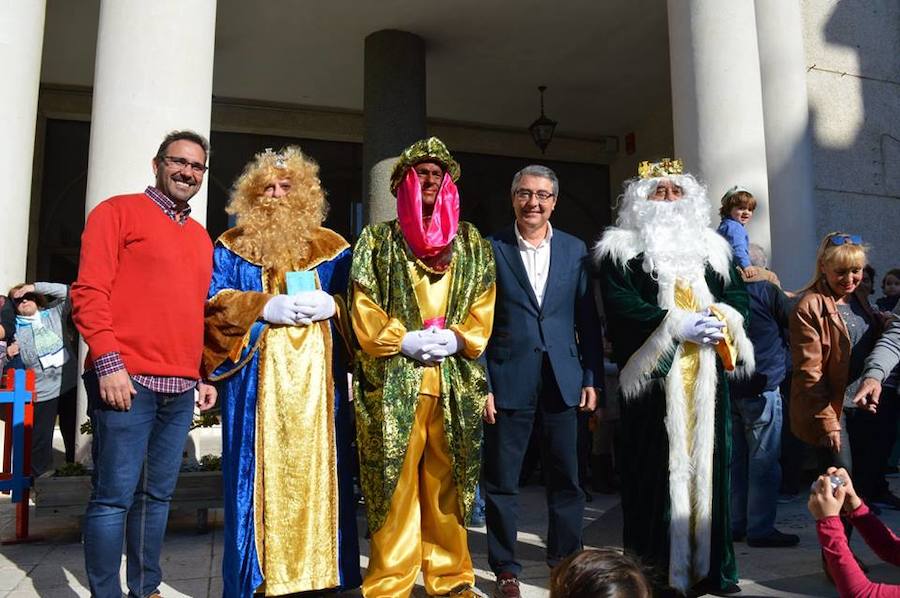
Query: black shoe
736	537
774	540
708	587
887	500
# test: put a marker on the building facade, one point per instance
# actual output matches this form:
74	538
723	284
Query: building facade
796	100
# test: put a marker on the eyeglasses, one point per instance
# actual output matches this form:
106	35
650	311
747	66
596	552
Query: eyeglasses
845	240
26	297
525	195
180	164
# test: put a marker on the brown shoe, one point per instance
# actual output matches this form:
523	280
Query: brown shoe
507	586
463	590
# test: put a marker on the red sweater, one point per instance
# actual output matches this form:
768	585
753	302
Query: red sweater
142	285
851	582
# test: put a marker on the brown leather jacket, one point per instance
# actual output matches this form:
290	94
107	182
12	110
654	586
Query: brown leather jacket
820	352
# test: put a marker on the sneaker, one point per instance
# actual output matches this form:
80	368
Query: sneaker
774	540
507	586
888	500
477	519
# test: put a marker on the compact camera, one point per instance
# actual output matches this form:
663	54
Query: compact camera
835	481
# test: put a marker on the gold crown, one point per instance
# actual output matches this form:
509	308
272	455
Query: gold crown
665	167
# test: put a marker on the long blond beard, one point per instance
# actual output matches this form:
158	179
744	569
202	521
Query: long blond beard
277	232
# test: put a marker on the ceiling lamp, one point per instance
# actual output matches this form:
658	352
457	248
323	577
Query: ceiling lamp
542	129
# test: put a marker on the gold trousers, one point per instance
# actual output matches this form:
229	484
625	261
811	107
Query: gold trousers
424	528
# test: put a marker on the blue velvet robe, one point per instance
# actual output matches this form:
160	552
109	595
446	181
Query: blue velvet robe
238	387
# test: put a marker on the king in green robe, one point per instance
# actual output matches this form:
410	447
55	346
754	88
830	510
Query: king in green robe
663	270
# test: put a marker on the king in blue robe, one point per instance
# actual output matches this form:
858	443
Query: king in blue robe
287	455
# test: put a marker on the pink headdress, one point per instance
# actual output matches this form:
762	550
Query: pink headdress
427	241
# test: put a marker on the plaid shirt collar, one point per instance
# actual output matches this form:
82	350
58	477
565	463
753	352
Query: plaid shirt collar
167	205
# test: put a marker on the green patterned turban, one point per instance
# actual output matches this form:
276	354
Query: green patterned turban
424	150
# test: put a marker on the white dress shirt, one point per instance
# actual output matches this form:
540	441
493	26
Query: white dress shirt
536	259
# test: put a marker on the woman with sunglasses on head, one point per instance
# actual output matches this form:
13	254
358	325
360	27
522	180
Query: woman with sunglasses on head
43	346
832	330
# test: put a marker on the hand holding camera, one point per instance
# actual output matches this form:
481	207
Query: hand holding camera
833	493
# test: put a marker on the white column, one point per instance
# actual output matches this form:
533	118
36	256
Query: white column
21	44
782	64
717	103
152	75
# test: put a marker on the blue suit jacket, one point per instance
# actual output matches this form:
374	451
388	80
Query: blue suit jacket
565	326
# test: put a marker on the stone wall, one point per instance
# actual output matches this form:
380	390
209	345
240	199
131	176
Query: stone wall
853	79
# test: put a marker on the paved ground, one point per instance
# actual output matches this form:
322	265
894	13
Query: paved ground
192	562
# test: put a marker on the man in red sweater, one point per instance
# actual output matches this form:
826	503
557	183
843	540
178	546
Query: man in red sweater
138	302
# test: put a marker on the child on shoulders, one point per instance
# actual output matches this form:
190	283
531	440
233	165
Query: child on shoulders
736	211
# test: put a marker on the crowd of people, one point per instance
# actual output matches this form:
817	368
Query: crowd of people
467	355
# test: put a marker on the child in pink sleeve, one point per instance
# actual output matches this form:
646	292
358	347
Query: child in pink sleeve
826	506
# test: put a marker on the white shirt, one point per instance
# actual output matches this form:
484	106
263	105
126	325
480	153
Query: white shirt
536	260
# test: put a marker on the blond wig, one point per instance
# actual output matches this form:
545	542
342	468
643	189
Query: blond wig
275	232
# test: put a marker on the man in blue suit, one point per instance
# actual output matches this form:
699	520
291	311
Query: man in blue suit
544	362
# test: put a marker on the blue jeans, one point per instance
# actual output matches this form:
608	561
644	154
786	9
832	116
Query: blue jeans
137	456
755	470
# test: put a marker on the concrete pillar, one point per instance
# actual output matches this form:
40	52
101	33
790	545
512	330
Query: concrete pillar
21	44
153	74
717	103
394	113
788	145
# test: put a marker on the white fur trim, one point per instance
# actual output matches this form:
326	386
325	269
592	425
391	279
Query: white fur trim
702	458
745	355
620	244
623	245
635	376
679	479
719	256
690	473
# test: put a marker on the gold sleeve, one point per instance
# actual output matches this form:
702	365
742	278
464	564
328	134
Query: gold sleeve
378	334
727	349
476	330
228	319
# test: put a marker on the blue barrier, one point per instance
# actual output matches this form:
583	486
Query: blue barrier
18	394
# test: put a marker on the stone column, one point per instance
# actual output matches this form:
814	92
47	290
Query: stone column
152	75
394	113
782	64
716	101
21	44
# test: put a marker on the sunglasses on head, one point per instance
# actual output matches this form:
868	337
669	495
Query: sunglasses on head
25	297
845	240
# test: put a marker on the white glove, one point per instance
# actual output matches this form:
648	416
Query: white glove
422	346
281	309
702	329
445	338
313	306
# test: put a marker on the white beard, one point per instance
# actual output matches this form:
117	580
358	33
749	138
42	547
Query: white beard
673	233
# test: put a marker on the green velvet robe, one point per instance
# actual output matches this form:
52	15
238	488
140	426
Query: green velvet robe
635	321
386	390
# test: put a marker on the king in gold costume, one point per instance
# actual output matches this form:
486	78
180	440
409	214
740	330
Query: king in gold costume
675	307
286	423
422	306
